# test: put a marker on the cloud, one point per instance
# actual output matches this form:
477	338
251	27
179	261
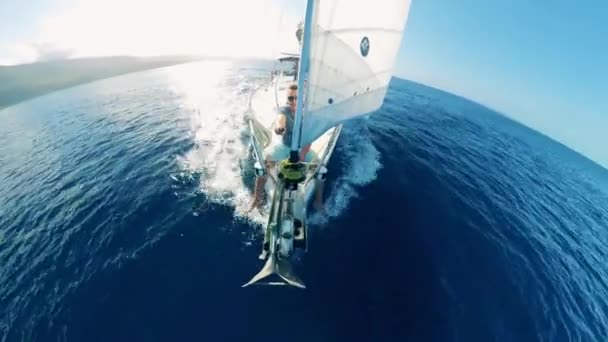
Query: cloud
49	52
142	27
19	54
34	52
241	28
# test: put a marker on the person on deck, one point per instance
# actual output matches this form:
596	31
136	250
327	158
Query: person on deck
279	150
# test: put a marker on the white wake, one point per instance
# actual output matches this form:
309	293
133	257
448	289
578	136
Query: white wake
222	145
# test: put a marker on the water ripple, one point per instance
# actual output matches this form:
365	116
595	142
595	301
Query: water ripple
95	177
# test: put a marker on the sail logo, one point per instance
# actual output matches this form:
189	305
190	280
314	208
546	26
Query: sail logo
364	46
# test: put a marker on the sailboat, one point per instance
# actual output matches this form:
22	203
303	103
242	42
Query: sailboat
343	69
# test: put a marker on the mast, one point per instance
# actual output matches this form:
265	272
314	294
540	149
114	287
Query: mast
294	156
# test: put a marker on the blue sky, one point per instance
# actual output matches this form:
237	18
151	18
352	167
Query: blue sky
543	63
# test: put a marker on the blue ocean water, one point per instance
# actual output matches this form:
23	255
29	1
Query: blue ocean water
121	220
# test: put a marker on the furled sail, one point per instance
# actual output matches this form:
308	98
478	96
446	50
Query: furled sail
353	46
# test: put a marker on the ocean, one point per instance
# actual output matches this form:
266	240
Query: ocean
122	219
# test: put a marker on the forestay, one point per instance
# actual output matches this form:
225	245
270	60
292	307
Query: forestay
353	46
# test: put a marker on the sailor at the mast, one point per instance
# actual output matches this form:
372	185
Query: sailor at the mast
279	149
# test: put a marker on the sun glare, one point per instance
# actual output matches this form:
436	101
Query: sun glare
235	28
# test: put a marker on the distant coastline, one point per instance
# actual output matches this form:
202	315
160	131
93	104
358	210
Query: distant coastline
19	83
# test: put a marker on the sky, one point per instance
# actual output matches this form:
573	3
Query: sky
543	63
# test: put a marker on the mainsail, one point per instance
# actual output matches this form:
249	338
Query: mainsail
353	46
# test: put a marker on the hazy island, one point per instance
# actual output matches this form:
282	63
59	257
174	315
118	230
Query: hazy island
22	82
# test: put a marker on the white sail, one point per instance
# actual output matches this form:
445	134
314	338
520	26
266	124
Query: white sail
353	46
